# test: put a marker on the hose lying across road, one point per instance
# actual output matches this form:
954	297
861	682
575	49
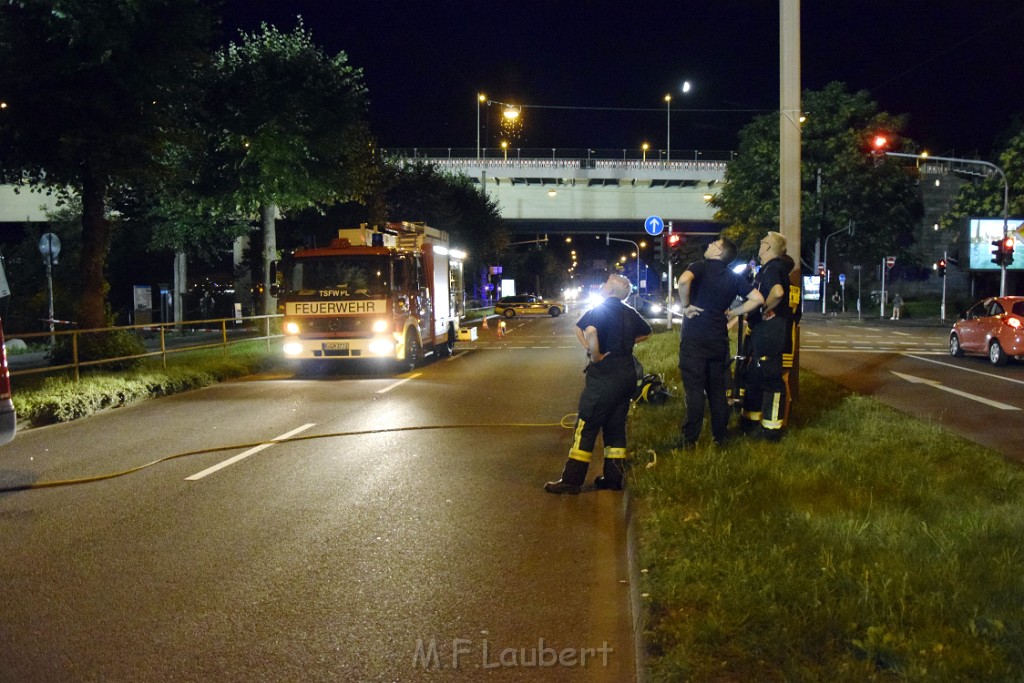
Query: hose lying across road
566	422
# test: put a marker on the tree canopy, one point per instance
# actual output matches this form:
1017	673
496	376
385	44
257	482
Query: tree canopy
91	91
286	128
842	187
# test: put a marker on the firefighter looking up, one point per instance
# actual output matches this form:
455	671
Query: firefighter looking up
707	290
765	395
608	333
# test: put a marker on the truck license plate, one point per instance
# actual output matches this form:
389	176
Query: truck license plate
335	346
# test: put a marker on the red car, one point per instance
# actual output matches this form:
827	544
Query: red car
992	327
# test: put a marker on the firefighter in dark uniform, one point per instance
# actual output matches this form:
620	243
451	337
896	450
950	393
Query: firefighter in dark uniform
707	290
765	393
607	332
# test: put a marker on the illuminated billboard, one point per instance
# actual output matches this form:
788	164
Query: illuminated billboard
981	232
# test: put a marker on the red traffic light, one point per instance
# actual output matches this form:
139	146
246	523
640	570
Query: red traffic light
1008	244
673	240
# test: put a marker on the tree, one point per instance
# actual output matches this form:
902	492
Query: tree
985	197
451	202
881	202
92	90
286	130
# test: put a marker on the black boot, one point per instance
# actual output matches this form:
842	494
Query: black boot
573	475
614	471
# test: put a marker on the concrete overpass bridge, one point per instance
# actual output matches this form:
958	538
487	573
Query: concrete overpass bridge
586	193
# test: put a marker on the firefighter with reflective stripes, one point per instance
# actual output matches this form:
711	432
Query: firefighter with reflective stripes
608	333
765	394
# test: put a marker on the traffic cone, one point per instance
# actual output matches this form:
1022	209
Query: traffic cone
485	323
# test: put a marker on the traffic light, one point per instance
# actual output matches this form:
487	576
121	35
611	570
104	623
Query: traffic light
673	247
997	252
1008	249
821	270
879	146
940	267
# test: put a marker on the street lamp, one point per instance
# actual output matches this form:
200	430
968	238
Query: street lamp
504	148
480	99
668	127
645	147
668	120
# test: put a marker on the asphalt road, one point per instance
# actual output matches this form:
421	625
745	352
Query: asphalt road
420	547
908	367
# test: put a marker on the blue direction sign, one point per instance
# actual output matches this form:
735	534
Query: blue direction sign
654	225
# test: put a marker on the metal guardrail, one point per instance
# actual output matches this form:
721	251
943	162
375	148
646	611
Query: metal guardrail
223	326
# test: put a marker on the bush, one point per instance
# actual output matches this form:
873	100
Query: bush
99	346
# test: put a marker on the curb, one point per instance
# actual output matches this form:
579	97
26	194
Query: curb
637	604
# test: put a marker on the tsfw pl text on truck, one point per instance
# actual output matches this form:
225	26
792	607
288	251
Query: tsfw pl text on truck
393	294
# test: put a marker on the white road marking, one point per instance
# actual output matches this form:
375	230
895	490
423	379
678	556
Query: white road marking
246	454
957	367
941	386
399	383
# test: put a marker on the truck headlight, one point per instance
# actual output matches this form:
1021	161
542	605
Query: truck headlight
382	346
291	327
292	349
381	326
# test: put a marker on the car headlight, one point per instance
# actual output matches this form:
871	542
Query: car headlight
656	308
291	327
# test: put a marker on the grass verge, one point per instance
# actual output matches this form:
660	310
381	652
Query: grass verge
866	546
61	399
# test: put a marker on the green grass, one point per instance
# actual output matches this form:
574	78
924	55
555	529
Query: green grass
866	546
44	400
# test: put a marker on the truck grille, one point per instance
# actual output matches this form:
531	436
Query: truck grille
330	326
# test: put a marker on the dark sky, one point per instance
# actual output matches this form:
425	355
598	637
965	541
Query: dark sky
578	66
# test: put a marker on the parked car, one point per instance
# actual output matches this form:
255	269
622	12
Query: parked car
8	418
528	304
993	327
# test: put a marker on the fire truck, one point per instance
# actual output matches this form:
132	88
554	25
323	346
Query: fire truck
394	293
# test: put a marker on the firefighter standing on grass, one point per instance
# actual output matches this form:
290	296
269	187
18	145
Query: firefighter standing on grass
765	393
608	333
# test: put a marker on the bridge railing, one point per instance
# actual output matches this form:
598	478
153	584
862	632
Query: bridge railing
583	155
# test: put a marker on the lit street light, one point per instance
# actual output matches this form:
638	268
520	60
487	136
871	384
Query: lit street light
645	147
480	99
668	120
504	148
668	127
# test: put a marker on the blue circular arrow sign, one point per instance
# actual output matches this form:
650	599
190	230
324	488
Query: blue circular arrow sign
654	225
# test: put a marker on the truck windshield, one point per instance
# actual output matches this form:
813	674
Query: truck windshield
338	276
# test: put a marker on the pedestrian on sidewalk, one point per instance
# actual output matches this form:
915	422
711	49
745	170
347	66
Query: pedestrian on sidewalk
608	333
897	306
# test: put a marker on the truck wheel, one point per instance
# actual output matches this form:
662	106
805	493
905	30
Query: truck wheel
413	352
